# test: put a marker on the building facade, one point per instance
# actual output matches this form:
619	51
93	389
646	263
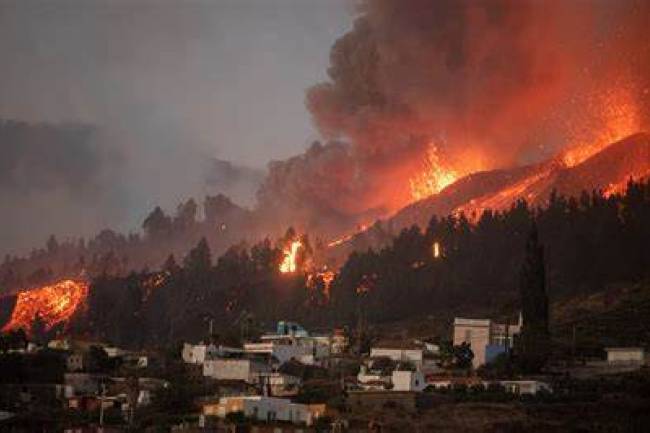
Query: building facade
244	369
486	338
268	409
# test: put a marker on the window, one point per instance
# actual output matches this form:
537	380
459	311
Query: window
468	336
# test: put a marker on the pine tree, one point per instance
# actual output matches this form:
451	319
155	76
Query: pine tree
534	340
199	259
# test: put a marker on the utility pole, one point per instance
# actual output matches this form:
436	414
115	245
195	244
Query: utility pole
101	408
573	344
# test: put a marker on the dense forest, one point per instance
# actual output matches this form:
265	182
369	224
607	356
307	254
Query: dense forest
452	265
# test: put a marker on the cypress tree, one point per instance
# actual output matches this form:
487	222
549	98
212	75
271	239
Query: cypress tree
534	340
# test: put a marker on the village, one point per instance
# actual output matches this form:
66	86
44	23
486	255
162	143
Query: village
325	216
288	380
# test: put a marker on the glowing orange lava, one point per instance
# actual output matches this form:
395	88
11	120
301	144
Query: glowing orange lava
617	117
433	178
343	239
55	304
289	262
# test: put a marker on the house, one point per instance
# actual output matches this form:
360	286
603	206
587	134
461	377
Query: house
625	355
197	353
446	381
284	349
372	376
404	380
525	387
247	369
292	341
279	384
403	352
268	409
486	338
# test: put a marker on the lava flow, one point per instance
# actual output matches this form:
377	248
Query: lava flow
54	303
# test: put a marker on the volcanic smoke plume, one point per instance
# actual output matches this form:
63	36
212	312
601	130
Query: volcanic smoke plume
423	92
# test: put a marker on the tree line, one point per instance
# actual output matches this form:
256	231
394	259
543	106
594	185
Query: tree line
590	241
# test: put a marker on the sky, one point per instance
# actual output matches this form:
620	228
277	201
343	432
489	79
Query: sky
169	85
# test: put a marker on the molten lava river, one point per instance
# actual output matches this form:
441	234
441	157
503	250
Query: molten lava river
55	304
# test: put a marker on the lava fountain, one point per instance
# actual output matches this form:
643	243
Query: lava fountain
433	178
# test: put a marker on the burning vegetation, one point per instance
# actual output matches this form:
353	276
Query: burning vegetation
289	262
54	304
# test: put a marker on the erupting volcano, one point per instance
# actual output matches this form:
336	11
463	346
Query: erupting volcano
55	304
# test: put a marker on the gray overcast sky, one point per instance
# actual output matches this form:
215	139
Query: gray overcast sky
227	75
170	84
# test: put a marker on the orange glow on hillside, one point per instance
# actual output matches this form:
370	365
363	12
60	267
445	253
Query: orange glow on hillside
54	303
618	117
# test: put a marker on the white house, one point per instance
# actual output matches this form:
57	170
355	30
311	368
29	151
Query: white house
625	355
525	387
266	409
408	381
486	338
414	356
373	379
292	341
284	349
245	369
197	353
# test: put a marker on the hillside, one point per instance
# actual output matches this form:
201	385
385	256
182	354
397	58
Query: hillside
608	170
617	316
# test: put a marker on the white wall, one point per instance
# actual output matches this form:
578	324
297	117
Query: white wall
283	352
476	333
411	355
408	381
234	369
269	409
626	355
